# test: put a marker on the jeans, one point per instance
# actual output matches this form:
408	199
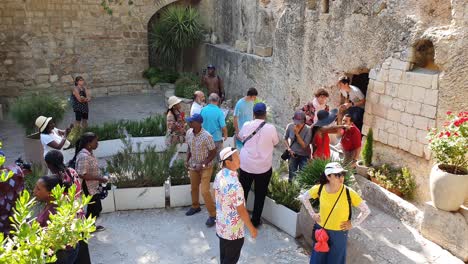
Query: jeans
261	187
230	250
295	164
94	207
203	177
337	241
357	113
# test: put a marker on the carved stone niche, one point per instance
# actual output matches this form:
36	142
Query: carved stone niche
312	4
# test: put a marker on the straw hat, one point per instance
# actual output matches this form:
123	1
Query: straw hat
42	122
173	100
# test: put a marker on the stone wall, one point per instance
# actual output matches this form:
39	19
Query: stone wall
290	48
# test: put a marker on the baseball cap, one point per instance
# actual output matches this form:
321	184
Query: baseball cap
226	153
211	66
259	108
195	118
333	168
299	117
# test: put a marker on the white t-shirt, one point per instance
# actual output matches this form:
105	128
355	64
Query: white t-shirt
355	95
47	138
257	154
196	108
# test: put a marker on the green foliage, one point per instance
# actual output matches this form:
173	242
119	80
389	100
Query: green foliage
310	174
230	126
367	150
179	28
179	174
140	168
449	143
30	180
156	75
30	243
27	108
395	178
107	5
4	176
283	192
186	85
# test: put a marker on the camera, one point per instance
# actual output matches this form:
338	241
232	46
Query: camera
24	166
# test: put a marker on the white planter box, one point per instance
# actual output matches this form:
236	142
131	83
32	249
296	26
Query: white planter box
281	216
180	195
139	198
108	204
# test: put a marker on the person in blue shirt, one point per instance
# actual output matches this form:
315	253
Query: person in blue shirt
214	121
243	112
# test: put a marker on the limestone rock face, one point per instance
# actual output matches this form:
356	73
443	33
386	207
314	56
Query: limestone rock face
449	230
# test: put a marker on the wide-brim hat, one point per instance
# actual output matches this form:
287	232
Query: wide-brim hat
42	122
173	100
226	153
325	118
333	168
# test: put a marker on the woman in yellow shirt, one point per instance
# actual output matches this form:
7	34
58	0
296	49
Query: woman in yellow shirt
335	213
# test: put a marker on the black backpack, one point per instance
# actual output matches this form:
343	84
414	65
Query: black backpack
347	195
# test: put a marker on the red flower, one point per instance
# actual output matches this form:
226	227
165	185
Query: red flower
441	134
456	134
448	134
449	112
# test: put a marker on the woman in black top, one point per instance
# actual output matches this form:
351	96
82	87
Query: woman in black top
80	99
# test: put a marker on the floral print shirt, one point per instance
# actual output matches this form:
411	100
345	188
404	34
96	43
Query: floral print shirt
175	128
229	195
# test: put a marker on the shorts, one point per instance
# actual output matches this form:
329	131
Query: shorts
80	115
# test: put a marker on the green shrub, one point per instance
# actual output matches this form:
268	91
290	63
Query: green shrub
30	180
140	168
367	149
155	75
394	178
310	174
230	126
283	192
179	174
27	108
185	86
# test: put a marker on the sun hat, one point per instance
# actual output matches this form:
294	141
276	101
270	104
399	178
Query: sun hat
325	118
173	100
259	108
333	168
299	117
226	153
42	122
195	118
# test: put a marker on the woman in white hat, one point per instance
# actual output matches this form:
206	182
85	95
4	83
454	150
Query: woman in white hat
52	137
175	122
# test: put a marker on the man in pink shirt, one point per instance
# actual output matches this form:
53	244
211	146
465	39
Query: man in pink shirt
256	158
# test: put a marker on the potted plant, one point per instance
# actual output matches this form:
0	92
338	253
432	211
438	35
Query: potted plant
448	180
281	204
25	110
139	176
362	166
396	180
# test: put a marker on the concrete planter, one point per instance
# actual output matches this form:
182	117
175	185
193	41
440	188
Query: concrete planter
281	216
108	204
180	195
443	183
140	198
361	169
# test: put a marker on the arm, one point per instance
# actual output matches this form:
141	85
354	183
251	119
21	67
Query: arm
365	211
211	156
225	133
202	81
92	178
299	138
55	145
77	96
305	199
235	122
356	155
332	129
88	95
244	215
360	103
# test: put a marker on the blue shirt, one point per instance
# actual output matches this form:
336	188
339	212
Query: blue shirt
213	121
243	111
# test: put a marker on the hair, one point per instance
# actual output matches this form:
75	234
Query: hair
81	143
50	181
228	158
55	158
260	115
252	92
45	131
172	111
344	79
350	117
321	92
323	178
213	98
77	79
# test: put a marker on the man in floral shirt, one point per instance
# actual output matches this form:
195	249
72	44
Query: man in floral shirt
231	214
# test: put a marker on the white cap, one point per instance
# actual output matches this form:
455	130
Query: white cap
333	168
226	153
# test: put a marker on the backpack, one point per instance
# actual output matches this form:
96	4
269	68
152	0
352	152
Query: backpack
348	195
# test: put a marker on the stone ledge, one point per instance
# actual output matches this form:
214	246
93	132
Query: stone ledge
389	202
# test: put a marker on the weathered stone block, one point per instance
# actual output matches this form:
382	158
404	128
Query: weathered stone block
8	62
435	82
379	122
421	122
385	101
405	92
413	107
398	104
404	144
411	133
393	140
418	93
263	51
391	127
428	111
42	79
42	71
399	65
368	118
241	45
428	154
383	136
66	79
365	129
448	229
382	75
380	111
391	89
395	76
402	130
416	149
418	79
379	87
431	97
372	75
394	115
373	97
421	136
407	119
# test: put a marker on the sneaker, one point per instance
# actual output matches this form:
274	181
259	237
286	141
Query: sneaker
99	228
210	221
192	211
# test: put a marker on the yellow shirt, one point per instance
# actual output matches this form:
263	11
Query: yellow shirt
341	211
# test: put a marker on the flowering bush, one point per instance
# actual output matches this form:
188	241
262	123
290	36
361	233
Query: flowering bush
449	143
